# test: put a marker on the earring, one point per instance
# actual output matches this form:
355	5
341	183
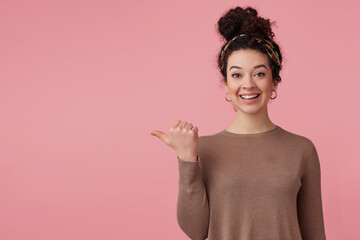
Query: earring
275	94
226	98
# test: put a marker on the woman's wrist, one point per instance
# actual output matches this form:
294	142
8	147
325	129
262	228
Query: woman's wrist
188	158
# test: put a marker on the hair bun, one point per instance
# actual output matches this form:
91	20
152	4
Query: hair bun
237	21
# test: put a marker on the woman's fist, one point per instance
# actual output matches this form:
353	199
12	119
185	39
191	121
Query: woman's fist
183	138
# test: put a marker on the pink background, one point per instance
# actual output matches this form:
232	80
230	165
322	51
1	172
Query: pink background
83	83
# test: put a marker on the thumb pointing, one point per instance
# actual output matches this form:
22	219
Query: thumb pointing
160	135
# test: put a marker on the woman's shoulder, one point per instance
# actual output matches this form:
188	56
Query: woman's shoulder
297	139
203	139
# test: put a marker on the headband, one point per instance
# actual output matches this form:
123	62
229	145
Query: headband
269	47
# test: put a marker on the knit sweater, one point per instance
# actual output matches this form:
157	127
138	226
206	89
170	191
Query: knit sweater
258	186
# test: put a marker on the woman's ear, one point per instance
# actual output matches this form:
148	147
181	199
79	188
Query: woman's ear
275	84
225	84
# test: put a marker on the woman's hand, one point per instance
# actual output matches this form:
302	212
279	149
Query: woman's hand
183	138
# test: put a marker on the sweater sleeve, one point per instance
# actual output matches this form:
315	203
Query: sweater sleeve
309	203
192	204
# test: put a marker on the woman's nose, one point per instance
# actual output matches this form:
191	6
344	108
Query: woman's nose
249	82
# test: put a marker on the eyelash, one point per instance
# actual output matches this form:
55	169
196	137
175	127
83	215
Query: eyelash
239	74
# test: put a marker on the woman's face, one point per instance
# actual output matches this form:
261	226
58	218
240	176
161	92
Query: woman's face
248	72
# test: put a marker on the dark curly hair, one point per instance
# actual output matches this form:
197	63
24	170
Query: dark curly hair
238	21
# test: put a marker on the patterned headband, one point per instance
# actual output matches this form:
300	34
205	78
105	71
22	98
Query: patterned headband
273	54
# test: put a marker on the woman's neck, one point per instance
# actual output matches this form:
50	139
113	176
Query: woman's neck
251	123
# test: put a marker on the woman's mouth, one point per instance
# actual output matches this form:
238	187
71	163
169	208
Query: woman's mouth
249	98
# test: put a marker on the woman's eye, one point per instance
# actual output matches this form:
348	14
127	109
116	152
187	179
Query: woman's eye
261	73
235	75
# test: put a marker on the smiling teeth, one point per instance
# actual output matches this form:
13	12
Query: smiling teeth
249	96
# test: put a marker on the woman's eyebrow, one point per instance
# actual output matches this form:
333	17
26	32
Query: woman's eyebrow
258	66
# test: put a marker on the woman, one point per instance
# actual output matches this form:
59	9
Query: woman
254	180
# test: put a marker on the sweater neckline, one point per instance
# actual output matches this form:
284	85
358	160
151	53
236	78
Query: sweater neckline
268	132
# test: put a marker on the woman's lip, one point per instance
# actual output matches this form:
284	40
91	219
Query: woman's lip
250	100
248	94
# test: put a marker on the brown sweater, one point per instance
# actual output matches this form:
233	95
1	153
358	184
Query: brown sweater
259	186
